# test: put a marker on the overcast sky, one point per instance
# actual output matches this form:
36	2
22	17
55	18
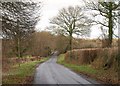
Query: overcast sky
50	9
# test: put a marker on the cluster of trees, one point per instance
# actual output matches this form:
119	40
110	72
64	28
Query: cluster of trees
19	20
72	20
42	44
45	43
18	23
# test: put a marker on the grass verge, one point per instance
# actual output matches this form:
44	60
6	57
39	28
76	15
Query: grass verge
23	74
101	75
78	68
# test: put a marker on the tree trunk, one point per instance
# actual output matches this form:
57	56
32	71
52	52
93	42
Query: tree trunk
19	51
118	59
18	43
70	46
70	42
110	24
19	54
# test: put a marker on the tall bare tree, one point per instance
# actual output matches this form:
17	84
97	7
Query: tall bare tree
109	11
18	22
71	21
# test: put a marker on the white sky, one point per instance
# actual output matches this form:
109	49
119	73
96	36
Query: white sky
50	9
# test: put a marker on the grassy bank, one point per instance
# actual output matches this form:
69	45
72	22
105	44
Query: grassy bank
77	68
23	74
105	76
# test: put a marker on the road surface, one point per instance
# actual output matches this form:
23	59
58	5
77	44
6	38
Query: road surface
50	72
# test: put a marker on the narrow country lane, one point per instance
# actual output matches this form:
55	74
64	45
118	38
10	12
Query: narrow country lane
52	73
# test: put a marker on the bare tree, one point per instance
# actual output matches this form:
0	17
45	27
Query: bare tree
71	21
18	22
109	12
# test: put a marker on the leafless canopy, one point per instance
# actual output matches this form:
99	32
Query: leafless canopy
18	23
19	17
71	20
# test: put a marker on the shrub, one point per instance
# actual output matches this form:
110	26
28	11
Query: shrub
98	57
82	56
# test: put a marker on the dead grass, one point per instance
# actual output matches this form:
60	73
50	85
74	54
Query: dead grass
96	56
82	56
